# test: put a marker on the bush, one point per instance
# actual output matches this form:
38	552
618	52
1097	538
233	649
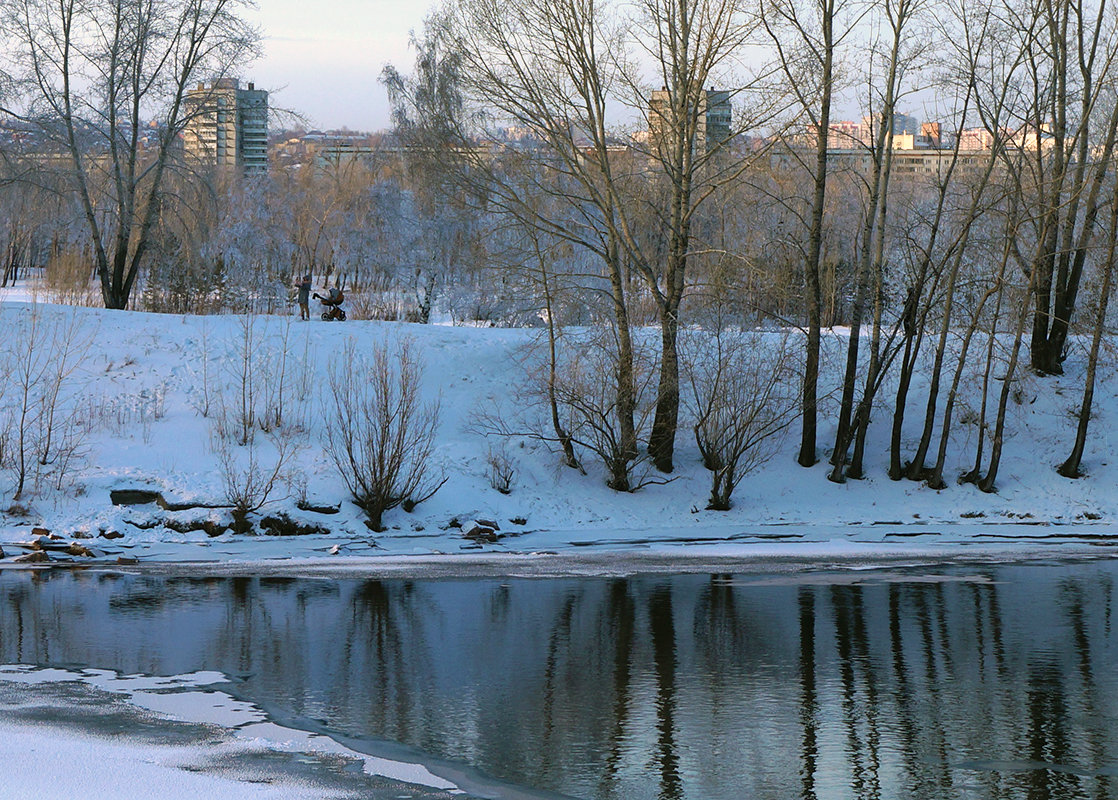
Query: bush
742	396
40	382
501	470
250	476
380	434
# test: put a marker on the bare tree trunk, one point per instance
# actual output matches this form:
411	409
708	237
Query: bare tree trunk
626	383
1075	43
661	441
916	469
810	399
823	52
935	477
914	323
878	366
1067	289
10	261
1071	466
872	255
561	433
975	473
913	336
810	408
844	433
988	481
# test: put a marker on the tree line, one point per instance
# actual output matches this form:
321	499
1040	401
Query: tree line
975	259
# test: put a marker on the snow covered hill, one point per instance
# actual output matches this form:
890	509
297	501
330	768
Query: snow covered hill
146	390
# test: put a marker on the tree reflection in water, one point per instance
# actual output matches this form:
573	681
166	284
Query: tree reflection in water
994	682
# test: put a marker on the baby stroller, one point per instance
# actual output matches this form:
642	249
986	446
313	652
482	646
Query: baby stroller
332	305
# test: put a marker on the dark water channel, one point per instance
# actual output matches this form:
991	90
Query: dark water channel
954	682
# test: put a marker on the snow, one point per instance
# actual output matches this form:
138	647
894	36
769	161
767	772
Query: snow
59	760
117	770
143	385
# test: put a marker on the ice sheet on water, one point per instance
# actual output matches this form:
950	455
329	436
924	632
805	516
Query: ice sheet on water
154	765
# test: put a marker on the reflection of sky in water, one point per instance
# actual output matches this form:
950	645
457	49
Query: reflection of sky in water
980	681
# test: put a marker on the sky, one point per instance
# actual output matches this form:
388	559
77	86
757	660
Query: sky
323	58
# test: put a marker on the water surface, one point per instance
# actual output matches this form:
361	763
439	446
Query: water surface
983	681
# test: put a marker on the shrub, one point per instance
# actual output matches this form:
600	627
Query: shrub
742	397
380	434
501	470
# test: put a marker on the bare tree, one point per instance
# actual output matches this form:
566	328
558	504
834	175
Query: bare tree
741	398
380	434
1071	467
982	52
550	68
563	72
541	258
694	44
808	37
585	396
90	74
38	415
573	402
898	58
1063	125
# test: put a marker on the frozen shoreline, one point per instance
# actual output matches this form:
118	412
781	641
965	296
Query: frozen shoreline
579	562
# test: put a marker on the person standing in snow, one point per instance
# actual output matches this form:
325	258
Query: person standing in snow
304	287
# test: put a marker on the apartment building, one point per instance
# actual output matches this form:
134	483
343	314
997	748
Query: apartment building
925	149
715	121
903	125
227	126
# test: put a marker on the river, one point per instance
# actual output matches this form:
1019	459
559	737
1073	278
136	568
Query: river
984	681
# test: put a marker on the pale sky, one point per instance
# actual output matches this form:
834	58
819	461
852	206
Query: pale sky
323	58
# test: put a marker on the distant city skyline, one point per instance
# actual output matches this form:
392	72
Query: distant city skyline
324	60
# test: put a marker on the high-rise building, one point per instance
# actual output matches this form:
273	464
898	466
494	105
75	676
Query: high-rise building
252	128
227	126
714	122
903	125
843	134
931	134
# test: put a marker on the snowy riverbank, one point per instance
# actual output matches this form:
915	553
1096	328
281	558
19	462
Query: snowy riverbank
145	389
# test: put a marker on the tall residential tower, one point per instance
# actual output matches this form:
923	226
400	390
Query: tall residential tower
713	123
227	126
